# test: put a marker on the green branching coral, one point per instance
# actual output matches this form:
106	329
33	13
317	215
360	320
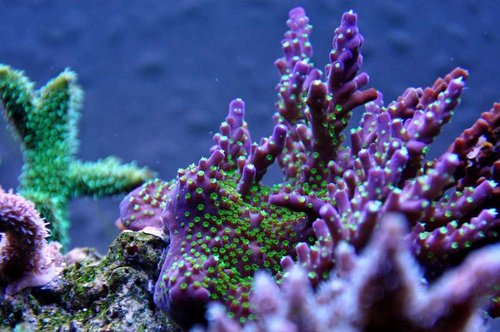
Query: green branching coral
45	121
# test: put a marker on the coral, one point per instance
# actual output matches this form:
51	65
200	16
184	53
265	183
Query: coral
217	239
46	123
381	290
26	259
142	207
224	225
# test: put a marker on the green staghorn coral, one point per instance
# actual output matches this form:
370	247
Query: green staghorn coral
45	121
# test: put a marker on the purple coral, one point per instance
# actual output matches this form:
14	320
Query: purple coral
142	207
26	259
217	240
225	225
380	290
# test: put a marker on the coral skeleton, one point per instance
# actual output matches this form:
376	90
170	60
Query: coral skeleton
314	233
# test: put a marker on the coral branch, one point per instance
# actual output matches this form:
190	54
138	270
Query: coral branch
46	123
263	155
233	138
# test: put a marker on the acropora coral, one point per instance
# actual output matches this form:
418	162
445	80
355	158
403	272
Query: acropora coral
225	226
46	123
380	290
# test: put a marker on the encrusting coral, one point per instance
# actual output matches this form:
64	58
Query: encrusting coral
224	225
46	123
26	258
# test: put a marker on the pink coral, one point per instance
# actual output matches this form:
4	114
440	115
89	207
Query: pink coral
26	259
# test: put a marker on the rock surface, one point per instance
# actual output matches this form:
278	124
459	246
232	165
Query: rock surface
110	293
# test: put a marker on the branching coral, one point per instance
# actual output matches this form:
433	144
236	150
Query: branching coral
224	225
46	123
26	259
380	290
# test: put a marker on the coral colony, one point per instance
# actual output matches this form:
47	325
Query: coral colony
307	233
46	123
366	236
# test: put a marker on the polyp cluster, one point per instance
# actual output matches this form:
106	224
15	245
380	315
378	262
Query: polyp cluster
224	225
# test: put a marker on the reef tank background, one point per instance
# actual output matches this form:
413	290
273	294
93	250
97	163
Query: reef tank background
158	76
